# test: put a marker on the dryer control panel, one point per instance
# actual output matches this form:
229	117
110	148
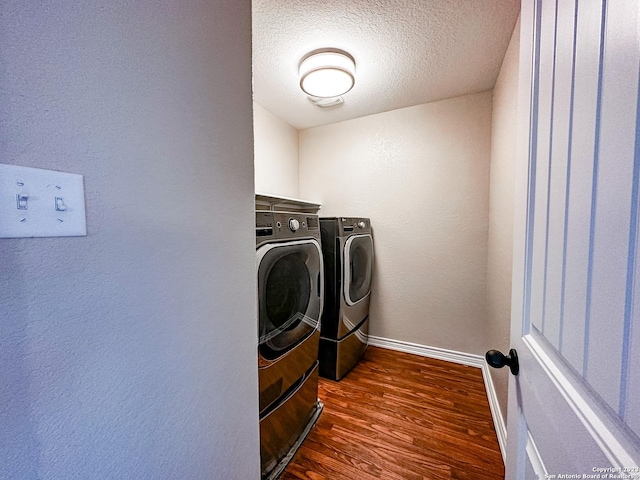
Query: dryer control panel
351	225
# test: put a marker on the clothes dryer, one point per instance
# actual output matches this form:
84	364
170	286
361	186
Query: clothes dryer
347	247
290	276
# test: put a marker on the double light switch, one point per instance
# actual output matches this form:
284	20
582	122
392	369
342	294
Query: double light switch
41	203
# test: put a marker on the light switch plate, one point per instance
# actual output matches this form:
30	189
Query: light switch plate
41	203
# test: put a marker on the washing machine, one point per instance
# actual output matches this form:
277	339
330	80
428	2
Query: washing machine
290	276
347	248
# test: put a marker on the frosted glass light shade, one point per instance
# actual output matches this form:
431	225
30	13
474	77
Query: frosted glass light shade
327	74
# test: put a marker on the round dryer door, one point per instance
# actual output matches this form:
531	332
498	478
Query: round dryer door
290	293
358	268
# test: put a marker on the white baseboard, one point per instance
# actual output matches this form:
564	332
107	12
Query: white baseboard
469	359
496	414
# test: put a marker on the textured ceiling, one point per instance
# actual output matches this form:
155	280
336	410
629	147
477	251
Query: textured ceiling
407	52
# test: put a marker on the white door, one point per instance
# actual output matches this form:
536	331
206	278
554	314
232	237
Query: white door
574	408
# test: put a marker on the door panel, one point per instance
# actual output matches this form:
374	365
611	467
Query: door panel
580	180
542	145
576	230
557	419
612	204
534	467
558	163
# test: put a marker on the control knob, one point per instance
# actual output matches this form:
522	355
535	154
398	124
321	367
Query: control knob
361	224
294	224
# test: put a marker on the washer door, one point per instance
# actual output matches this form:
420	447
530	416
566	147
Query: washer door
358	268
290	293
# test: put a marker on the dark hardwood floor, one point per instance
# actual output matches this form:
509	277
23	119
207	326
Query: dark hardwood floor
405	417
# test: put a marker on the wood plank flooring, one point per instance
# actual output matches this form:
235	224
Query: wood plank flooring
401	416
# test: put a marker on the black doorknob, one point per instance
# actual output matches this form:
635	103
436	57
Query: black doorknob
497	359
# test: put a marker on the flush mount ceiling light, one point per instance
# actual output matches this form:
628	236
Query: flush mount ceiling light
327	73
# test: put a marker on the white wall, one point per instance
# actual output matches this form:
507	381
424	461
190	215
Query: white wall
500	248
422	175
276	154
131	353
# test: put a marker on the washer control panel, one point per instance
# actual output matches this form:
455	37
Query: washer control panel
285	225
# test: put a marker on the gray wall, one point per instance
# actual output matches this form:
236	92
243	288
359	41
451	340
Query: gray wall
502	189
131	353
422	175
